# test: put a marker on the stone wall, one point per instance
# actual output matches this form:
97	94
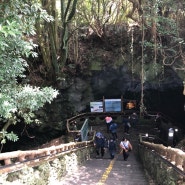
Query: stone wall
162	171
49	170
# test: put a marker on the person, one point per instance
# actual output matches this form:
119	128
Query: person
113	130
99	134
74	126
99	144
108	121
126	122
126	147
134	119
78	138
112	148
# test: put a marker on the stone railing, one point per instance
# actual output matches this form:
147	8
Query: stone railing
12	161
49	162
16	160
48	166
165	164
174	155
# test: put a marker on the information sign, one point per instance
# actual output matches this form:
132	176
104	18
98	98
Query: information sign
84	130
112	105
96	106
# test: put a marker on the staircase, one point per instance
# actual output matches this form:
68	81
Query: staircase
103	171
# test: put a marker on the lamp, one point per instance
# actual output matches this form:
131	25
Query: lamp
171	132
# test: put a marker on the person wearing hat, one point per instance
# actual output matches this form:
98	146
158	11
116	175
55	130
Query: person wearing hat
99	144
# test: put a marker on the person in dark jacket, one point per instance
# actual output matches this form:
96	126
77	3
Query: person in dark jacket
112	148
113	129
126	123
99	144
134	119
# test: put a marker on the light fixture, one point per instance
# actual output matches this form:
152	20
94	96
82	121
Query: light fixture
171	132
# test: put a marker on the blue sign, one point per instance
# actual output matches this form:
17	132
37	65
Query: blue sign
112	105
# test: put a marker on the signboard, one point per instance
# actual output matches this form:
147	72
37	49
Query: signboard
112	105
96	106
84	130
130	104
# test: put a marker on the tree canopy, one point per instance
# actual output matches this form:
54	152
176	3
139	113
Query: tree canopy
17	98
53	27
162	21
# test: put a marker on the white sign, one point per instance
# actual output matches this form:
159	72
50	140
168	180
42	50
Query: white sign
96	106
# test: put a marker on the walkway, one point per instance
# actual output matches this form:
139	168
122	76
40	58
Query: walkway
103	171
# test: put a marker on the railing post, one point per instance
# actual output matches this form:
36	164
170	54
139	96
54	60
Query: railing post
21	158
179	159
183	165
7	161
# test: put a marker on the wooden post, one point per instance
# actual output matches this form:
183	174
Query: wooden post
122	103
103	104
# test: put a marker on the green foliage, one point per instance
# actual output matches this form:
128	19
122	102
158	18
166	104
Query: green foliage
98	13
34	97
10	136
17	26
152	71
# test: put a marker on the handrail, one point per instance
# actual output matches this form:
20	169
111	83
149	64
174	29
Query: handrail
174	155
34	156
94	114
13	160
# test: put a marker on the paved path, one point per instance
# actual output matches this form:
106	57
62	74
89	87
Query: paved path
103	171
108	172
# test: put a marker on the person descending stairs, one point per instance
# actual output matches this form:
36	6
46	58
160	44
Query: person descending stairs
111	171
